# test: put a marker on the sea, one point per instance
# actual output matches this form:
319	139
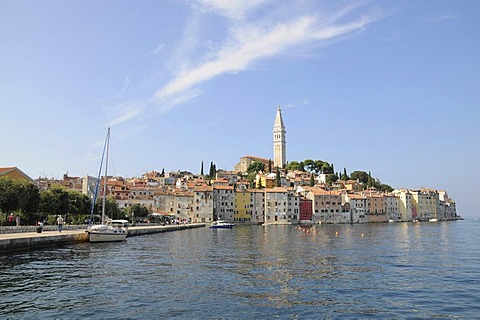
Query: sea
363	271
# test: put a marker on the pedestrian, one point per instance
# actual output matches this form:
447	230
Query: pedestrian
17	220
11	219
60	223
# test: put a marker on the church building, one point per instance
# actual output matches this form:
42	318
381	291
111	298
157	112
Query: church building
279	147
279	141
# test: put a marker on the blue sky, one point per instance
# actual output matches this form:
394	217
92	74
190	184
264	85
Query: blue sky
389	87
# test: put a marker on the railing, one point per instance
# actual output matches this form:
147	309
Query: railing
15	229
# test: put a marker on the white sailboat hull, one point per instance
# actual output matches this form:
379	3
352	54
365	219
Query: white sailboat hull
107	234
113	230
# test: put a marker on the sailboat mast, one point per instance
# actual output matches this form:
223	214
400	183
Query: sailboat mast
105	178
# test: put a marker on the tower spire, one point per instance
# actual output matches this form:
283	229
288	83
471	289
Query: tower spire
279	140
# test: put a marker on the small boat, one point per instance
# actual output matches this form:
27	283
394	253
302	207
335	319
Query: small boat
112	230
221	224
433	220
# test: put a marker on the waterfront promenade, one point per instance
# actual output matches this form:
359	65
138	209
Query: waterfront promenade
29	239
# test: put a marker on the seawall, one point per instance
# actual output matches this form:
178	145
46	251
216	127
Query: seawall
31	240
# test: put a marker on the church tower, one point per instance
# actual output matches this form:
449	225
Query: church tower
279	141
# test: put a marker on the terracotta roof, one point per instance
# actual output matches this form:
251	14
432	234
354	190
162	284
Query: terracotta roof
223	187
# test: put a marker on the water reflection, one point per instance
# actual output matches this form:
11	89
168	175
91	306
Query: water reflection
325	271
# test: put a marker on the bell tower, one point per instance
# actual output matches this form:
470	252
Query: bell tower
279	141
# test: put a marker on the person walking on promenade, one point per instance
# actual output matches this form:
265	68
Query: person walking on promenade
60	223
17	221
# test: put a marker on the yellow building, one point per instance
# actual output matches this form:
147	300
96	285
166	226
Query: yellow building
425	202
14	173
242	209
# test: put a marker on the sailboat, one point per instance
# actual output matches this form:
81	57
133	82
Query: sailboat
112	230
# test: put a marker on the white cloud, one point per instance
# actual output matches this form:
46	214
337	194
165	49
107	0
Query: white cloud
441	17
393	36
252	43
158	48
246	43
126	111
235	10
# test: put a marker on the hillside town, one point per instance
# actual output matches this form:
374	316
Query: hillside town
277	196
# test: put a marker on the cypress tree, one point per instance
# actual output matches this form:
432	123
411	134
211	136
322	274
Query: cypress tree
278	181
369	181
201	170
210	171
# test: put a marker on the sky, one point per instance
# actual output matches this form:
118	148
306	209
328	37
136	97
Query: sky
389	87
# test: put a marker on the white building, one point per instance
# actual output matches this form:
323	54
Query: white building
223	203
276	205
202	204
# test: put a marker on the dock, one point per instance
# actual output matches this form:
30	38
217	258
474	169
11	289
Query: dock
29	239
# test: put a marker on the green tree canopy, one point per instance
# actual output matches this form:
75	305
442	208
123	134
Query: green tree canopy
29	197
312	166
9	195
361	176
256	167
112	210
79	202
293	165
331	178
55	200
309	165
278	181
138	210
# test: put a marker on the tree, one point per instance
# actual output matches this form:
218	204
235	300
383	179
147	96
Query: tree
8	195
301	166
55	200
251	179
278	181
344	176
138	210
331	178
201	170
309	165
370	180
293	165
384	187
259	184
312	180
361	176
111	208
28	201
213	170
269	165
79	203
256	167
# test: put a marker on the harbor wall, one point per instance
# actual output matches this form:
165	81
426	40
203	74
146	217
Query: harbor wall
30	240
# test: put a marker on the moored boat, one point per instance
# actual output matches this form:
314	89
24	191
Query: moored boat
112	230
221	224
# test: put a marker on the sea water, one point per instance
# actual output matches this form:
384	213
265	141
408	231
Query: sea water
387	271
